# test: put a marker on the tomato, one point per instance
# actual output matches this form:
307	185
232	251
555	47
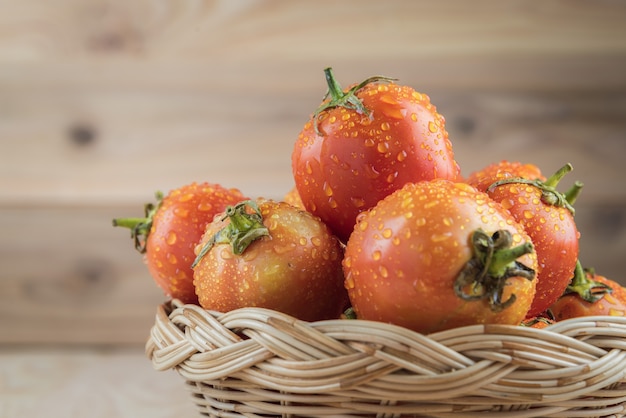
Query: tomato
171	229
272	255
436	255
362	144
293	198
502	170
548	218
590	294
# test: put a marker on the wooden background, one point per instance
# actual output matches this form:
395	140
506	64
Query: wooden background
102	103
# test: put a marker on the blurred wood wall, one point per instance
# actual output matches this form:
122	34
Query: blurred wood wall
104	102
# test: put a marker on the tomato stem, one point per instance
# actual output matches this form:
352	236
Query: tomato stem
484	276
549	194
140	227
244	228
572	194
336	97
584	285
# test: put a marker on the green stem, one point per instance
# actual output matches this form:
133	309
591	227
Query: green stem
588	289
242	230
572	194
549	194
485	275
338	98
555	178
140	227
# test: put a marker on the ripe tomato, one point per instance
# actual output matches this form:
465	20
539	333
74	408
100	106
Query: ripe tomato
170	230
293	198
590	294
502	170
364	143
436	255
548	218
276	257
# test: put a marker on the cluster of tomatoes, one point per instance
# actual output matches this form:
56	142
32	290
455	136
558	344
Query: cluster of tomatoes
380	226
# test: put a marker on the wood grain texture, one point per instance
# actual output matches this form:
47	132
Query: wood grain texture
102	103
88	383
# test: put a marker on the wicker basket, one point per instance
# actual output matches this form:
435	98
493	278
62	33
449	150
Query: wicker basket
257	363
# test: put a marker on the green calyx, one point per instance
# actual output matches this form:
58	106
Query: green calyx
494	261
585	287
140	227
244	228
549	194
338	98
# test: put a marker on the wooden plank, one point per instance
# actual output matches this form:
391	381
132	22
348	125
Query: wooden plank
95	383
137	144
69	277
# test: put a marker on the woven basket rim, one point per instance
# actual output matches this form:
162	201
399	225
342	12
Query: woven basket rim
265	362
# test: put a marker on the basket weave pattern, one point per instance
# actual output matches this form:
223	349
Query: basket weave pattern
256	362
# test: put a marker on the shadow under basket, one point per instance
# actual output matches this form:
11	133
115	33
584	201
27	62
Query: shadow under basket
256	362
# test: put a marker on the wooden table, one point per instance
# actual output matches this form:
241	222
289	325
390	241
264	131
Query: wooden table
102	103
80	382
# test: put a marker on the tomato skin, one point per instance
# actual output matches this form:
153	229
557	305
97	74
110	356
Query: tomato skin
293	198
355	160
177	227
403	258
296	269
571	305
485	177
554	234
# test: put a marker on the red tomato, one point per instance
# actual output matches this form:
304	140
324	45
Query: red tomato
276	257
364	143
548	218
436	255
590	294
293	198
502	170
172	228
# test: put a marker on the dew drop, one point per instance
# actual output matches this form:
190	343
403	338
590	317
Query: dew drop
172	258
385	126
181	212
205	207
186	197
357	202
383	271
528	214
376	255
349	282
432	127
171	238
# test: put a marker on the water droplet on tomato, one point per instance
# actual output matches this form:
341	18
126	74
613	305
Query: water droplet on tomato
387	233
349	282
382	147
385	126
186	197
528	214
392	177
172	258
376	255
328	191
171	238
432	127
181	212
357	202
401	156
205	206
382	270
440	237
